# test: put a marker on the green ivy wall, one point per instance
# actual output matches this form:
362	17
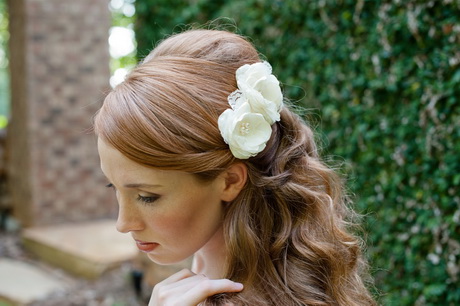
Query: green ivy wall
381	81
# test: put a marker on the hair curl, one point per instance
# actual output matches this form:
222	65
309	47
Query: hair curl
288	232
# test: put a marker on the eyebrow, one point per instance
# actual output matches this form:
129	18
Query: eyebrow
140	185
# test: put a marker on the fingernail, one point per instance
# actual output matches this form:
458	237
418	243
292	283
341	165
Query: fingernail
239	286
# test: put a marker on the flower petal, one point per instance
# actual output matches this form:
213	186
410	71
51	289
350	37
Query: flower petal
225	123
251	133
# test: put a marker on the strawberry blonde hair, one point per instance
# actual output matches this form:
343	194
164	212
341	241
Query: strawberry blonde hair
288	233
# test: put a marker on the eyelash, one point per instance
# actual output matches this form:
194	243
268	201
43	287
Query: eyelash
146	200
142	199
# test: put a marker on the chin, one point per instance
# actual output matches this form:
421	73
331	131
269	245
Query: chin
184	262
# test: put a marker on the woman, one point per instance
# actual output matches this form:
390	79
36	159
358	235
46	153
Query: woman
207	161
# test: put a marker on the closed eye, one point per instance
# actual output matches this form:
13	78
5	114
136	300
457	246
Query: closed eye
147	200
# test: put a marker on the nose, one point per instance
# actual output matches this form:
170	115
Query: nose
129	219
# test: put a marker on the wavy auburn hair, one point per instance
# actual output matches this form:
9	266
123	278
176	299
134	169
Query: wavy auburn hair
288	232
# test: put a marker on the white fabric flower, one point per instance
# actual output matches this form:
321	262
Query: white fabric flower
245	132
261	89
256	105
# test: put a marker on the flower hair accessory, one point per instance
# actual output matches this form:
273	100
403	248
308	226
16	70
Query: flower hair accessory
255	106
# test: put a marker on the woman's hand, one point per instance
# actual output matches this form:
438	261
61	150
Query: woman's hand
186	288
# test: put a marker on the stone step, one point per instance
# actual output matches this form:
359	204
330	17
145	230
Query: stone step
84	249
22	283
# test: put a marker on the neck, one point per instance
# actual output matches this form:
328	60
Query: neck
210	260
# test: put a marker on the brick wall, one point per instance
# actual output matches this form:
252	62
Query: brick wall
59	73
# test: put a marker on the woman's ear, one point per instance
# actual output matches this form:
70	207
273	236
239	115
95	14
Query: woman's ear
235	178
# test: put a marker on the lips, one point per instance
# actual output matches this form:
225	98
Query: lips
146	247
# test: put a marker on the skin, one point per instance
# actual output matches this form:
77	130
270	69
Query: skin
181	216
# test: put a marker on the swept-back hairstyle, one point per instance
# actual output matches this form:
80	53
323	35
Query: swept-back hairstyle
287	233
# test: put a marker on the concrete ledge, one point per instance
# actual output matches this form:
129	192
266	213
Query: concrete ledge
22	283
86	250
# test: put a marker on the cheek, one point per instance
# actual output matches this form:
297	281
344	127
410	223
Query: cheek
186	221
170	223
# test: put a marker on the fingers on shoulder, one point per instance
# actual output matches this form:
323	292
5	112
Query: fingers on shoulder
187	288
208	287
215	286
182	274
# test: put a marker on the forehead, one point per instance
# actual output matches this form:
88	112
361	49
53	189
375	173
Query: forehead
117	166
122	170
110	156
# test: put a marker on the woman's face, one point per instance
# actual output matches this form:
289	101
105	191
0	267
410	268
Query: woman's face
170	214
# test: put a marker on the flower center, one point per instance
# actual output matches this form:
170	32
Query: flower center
244	128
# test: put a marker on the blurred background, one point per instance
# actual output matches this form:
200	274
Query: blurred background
378	80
